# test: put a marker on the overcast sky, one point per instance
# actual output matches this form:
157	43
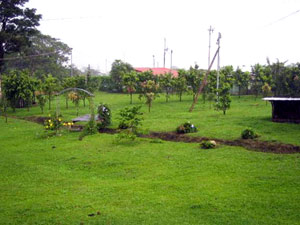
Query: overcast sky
101	31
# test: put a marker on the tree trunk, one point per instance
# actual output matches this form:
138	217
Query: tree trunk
49	98
180	97
67	102
239	91
130	98
224	112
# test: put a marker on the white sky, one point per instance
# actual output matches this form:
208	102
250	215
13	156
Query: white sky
134	30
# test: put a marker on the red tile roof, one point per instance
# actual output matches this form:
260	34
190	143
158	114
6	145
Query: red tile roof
157	71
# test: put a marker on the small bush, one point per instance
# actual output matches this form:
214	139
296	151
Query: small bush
208	144
187	127
104	115
248	134
89	129
53	123
125	135
130	118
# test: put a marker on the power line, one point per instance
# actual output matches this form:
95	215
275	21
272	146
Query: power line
28	56
283	18
72	18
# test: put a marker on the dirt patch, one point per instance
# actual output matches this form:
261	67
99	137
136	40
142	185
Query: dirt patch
108	131
254	145
35	119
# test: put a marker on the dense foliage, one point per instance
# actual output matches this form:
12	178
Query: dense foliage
186	127
17	26
248	134
18	88
130	118
104	115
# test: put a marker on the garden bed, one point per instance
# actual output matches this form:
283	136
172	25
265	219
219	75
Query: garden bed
250	144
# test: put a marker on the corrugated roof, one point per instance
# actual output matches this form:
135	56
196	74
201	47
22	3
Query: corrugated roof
281	99
157	71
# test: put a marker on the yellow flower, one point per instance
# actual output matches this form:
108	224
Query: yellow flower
69	124
59	119
47	127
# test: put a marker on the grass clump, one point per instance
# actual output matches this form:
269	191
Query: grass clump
248	134
208	144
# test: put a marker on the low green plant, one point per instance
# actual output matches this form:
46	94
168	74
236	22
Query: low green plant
130	118
208	144
89	129
248	134
130	121
53	122
186	127
104	116
125	135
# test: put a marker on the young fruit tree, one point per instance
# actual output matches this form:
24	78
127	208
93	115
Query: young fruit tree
130	80
149	91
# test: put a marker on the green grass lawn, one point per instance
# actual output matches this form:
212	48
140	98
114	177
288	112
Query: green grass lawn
61	180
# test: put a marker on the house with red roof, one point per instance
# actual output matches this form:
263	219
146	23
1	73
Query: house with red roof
157	71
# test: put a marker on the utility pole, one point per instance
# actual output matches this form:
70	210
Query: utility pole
203	83
88	74
218	65
153	61
165	50
71	62
171	59
210	30
106	66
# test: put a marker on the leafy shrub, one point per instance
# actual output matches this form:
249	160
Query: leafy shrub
248	134
53	123
89	129
187	127
125	135
130	118
208	144
104	115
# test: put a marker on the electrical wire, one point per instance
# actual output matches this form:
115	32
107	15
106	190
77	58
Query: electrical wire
283	18
28	56
74	18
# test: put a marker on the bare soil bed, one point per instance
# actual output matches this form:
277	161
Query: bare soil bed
253	144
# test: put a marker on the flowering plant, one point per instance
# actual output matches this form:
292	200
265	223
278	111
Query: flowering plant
187	127
68	124
53	122
104	115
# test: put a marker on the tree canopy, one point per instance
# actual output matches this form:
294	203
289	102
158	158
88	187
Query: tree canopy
17	25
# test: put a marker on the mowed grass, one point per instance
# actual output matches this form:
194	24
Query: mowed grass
61	180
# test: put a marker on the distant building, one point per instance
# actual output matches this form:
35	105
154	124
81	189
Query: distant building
285	109
157	71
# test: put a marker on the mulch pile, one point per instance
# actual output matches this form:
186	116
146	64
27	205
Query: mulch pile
254	145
